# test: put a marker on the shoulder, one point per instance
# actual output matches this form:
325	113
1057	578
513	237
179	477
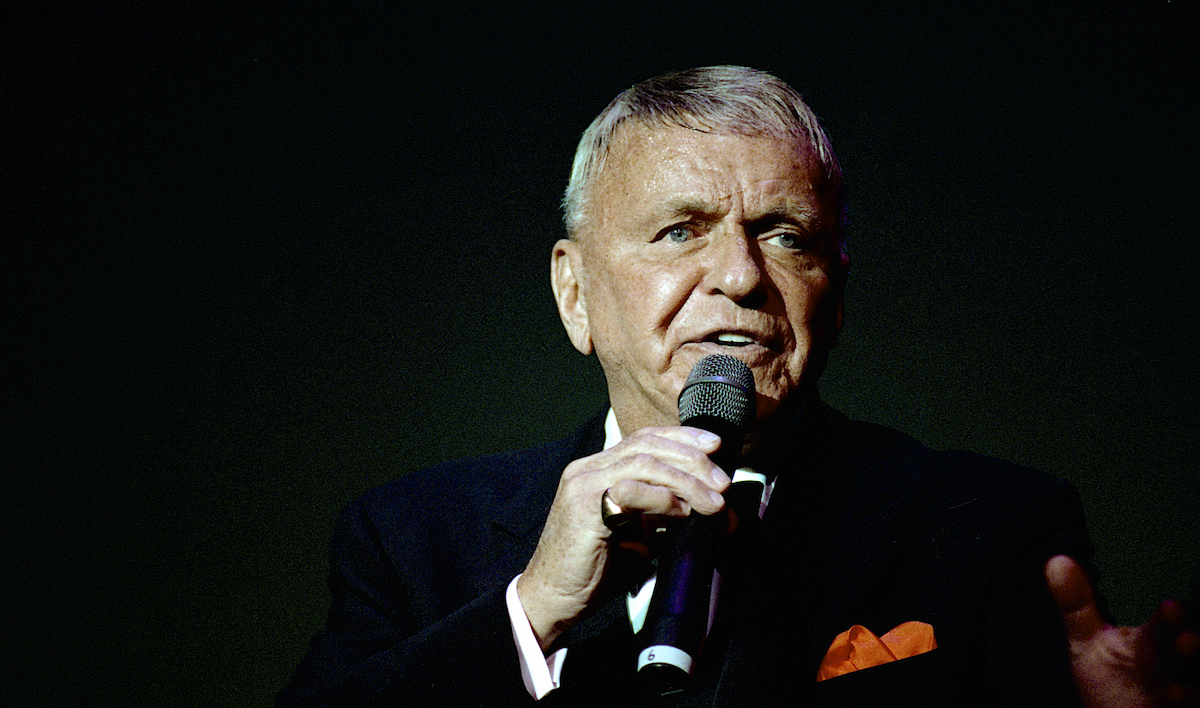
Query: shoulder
878	455
978	510
468	487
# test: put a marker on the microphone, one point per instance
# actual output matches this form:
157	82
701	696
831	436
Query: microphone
718	396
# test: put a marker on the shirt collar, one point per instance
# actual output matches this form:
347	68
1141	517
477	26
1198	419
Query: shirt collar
612	431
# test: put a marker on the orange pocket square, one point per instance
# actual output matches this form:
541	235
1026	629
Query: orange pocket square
857	648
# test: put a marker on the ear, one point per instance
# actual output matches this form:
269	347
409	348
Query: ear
566	269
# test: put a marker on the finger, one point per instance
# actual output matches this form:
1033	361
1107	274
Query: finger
645	498
1170	653
686	449
1076	601
681	467
687	435
666	493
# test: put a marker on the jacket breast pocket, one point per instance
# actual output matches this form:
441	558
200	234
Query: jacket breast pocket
916	681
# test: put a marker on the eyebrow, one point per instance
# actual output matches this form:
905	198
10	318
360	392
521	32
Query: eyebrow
689	206
806	217
694	205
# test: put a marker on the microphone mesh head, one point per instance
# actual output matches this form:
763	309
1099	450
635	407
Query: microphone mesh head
719	386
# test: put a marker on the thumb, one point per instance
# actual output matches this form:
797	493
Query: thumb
1073	594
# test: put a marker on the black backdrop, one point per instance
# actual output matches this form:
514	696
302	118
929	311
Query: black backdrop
266	258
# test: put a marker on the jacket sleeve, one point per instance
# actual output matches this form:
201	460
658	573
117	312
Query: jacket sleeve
380	647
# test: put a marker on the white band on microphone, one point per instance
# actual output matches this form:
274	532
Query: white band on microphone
664	654
746	474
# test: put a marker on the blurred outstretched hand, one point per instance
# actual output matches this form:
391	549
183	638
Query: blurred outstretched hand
1156	665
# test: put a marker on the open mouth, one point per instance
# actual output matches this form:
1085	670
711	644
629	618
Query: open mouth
731	339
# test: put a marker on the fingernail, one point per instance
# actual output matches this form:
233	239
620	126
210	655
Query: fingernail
717	498
720	477
706	438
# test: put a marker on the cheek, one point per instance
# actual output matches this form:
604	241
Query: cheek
628	312
812	315
668	292
651	298
802	301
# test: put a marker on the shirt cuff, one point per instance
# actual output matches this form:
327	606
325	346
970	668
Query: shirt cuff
539	672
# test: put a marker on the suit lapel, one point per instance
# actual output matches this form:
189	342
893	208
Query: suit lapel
518	523
861	550
525	514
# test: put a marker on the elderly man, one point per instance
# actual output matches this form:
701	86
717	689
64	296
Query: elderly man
706	215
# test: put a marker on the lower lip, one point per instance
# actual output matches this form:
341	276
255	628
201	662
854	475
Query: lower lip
741	351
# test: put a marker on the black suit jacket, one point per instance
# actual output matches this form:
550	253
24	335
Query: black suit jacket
866	526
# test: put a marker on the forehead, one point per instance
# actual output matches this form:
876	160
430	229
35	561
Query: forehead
658	172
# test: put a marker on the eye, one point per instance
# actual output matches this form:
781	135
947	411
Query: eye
678	234
790	240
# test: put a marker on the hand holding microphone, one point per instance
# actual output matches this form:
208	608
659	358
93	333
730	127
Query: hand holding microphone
718	396
656	471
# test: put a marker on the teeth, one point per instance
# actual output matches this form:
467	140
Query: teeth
730	338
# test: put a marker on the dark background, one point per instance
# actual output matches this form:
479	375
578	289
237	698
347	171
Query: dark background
263	259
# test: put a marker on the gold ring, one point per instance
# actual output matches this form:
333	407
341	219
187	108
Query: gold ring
611	513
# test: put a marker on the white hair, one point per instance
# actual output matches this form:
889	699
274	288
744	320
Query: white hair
727	99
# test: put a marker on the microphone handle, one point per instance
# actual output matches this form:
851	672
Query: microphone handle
679	606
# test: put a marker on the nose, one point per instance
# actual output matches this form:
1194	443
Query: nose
736	269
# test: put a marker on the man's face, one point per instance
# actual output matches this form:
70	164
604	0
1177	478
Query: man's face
703	243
